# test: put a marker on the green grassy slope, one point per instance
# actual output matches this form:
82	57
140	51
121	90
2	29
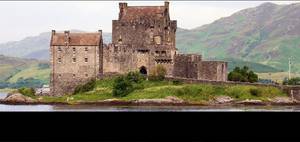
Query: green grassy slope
267	34
12	69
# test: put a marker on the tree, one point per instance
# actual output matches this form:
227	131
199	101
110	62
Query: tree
122	86
292	81
242	75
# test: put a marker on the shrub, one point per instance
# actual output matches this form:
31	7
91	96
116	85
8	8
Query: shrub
135	77
27	91
90	85
177	82
292	81
122	86
158	73
255	92
243	75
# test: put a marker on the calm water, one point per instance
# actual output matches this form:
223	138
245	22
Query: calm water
141	108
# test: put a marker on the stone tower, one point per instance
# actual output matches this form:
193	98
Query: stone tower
142	37
75	59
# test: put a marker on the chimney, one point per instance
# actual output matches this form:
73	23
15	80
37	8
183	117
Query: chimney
67	37
53	32
123	7
167	4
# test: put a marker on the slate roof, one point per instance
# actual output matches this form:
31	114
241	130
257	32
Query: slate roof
142	12
76	39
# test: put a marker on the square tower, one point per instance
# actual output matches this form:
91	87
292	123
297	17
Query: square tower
75	59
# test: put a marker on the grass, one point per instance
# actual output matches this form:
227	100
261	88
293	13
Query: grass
194	93
278	76
34	72
6	90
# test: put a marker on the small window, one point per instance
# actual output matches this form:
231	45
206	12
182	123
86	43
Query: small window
86	60
59	48
74	60
157	39
86	75
86	49
74	49
59	60
59	75
74	75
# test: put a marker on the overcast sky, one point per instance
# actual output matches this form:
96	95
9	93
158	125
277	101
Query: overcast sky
29	18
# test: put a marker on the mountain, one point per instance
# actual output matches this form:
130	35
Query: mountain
35	47
267	34
264	36
12	69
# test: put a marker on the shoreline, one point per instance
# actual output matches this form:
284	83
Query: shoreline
150	103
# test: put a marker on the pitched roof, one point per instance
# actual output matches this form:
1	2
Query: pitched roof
137	12
87	39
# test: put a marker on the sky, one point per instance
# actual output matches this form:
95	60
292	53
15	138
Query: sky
20	19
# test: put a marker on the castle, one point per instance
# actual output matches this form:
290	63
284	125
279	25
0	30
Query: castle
142	37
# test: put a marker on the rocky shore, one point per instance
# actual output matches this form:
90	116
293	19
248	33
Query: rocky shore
19	99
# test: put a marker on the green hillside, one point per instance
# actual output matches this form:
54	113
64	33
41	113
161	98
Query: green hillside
267	34
15	72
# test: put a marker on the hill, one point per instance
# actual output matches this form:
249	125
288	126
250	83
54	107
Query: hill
267	34
15	71
264	36
35	47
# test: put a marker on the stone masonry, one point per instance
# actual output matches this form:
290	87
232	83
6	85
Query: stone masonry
142	37
75	59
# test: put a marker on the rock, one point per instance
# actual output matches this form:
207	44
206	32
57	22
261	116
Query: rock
168	100
282	100
251	102
174	99
223	99
111	100
18	98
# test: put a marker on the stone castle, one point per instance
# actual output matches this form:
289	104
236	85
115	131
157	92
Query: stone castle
142	37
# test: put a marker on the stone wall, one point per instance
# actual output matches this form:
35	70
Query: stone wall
212	70
142	37
72	65
186	65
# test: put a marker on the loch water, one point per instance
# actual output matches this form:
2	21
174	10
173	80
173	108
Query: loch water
4	107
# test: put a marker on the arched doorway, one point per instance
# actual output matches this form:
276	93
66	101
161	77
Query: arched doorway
143	70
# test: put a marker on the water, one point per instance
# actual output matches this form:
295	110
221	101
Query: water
144	108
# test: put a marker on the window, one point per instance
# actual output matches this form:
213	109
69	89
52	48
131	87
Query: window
74	75
157	39
59	60
74	49
86	75
59	48
74	60
59	75
86	49
86	60
120	39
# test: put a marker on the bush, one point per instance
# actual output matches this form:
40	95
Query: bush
292	81
255	92
158	73
242	75
177	82
122	86
135	77
27	91
86	87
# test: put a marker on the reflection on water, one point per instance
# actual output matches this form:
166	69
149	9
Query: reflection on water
143	108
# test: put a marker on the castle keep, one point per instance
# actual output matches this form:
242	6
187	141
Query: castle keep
142	37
